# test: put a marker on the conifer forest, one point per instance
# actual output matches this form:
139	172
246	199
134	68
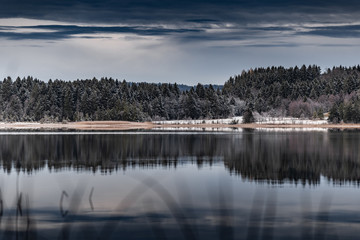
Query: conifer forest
302	92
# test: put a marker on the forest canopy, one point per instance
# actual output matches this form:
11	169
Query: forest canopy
274	91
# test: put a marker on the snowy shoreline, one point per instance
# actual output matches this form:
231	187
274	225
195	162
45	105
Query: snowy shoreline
238	120
215	125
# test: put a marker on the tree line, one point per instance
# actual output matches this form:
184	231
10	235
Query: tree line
300	92
274	91
30	99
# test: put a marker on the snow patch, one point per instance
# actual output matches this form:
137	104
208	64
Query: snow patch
199	129
238	120
289	120
205	121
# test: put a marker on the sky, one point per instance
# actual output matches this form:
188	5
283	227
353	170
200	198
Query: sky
183	41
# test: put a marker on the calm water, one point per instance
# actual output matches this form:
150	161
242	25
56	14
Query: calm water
157	185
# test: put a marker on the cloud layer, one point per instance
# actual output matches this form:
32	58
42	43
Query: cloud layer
195	20
190	41
170	11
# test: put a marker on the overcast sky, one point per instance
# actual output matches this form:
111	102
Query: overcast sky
183	41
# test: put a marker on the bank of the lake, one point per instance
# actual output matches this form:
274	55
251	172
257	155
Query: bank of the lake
126	125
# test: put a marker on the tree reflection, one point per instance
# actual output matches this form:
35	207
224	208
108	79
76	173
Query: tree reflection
300	157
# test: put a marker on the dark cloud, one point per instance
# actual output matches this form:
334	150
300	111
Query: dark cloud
271	28
58	32
186	20
238	33
33	36
202	20
141	30
186	33
342	31
170	11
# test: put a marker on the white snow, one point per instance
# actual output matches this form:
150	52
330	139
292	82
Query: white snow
258	120
207	121
199	129
288	120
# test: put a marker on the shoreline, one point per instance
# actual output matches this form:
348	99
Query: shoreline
125	126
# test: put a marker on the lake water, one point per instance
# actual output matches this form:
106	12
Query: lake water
252	184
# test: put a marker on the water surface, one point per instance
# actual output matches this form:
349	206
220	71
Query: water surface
169	185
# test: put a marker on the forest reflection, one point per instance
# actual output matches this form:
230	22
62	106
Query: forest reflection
300	157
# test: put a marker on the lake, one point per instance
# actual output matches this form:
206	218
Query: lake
249	184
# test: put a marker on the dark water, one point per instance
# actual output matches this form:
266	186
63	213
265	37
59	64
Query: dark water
156	185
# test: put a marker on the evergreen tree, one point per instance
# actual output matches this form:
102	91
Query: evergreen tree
248	116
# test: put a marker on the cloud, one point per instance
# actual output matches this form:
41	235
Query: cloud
177	11
202	20
195	20
202	31
58	32
342	31
33	36
173	40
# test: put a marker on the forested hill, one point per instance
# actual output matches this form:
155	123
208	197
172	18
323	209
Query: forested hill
298	92
30	99
275	91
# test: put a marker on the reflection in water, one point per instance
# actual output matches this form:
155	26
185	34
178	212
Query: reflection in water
302	156
180	186
255	155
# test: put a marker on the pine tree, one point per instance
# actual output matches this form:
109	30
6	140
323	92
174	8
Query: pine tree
248	116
